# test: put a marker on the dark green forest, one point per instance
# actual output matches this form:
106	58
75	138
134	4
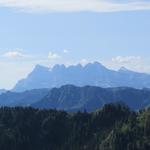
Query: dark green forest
114	127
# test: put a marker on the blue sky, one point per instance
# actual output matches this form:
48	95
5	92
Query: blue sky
115	34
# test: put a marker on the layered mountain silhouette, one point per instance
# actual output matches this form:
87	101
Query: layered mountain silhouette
22	99
90	98
93	74
2	91
74	98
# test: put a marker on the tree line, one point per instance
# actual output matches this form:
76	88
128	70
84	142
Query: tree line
114	127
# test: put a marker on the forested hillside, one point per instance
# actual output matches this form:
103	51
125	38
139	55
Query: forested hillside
73	98
114	127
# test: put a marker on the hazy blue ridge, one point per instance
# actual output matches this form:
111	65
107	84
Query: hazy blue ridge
73	98
93	74
22	98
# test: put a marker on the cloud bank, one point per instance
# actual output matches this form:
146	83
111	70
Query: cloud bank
127	59
53	56
76	5
15	54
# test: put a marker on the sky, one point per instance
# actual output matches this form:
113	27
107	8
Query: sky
49	32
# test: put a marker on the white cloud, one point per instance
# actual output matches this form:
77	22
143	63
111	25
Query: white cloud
127	59
136	63
53	56
66	51
84	62
15	54
76	5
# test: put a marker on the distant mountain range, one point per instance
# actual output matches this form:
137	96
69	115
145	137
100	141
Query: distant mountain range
22	99
2	91
93	74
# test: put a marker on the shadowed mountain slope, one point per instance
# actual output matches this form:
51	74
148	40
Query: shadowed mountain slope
73	98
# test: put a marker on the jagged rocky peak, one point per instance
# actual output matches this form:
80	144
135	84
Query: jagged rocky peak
97	63
94	74
75	67
58	67
94	65
40	68
123	69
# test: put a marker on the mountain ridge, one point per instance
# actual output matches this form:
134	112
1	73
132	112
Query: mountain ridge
26	98
2	91
73	98
93	74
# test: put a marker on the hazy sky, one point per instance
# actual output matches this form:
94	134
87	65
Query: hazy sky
72	31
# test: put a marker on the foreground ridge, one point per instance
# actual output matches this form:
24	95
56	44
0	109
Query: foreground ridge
73	98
